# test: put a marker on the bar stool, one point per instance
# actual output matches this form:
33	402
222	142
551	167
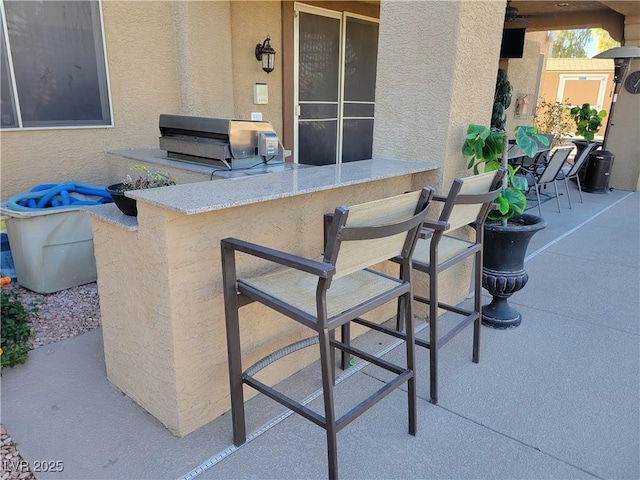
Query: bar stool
325	294
467	204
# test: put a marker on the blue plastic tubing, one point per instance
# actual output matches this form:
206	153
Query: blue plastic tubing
60	196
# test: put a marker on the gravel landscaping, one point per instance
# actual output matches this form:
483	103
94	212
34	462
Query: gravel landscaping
13	466
63	314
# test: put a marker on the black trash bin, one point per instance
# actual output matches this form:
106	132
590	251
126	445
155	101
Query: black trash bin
598	172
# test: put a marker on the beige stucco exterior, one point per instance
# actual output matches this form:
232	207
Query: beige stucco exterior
427	118
161	297
197	58
524	75
143	85
624	136
194	58
250	25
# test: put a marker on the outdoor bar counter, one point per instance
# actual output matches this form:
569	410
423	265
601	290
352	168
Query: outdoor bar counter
160	281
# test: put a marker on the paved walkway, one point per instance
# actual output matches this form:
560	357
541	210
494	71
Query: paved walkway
558	397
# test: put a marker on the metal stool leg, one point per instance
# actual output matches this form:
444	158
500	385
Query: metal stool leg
233	348
433	329
345	357
410	344
477	302
329	404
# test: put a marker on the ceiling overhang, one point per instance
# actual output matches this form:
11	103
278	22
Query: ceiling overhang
543	15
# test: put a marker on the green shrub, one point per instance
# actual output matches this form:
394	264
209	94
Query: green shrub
588	120
501	100
14	331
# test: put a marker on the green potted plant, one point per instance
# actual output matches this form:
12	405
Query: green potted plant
142	178
508	229
588	120
486	146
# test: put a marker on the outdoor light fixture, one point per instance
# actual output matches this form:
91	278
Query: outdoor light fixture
266	54
622	58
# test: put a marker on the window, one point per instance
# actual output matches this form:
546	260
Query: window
53	65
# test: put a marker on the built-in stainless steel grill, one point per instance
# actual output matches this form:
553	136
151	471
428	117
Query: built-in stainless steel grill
234	144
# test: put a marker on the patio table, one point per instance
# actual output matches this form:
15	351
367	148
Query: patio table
515	155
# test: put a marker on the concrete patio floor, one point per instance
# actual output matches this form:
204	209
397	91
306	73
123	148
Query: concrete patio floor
557	397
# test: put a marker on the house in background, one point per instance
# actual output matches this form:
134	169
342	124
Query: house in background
576	81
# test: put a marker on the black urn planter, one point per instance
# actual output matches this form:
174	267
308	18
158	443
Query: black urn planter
125	204
503	270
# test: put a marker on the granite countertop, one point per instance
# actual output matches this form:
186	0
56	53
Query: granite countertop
201	197
245	189
112	214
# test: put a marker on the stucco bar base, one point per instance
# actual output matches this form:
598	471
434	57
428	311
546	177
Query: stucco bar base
160	282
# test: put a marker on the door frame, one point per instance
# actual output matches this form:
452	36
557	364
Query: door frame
343	17
343	52
367	9
304	8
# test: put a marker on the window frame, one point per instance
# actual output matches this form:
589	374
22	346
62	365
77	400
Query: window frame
97	22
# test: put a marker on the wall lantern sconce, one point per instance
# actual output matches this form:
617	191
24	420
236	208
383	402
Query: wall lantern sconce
622	58
266	54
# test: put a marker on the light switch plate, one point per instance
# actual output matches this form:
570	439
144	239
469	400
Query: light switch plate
256	116
260	94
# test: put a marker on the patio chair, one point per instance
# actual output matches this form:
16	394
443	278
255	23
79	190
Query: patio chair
574	170
467	204
550	174
325	294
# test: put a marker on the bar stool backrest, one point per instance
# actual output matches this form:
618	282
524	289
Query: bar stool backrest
369	233
462	213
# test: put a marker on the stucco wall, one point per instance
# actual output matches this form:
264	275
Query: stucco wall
524	78
438	69
446	81
203	45
163	57
251	22
624	136
163	322
142	86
